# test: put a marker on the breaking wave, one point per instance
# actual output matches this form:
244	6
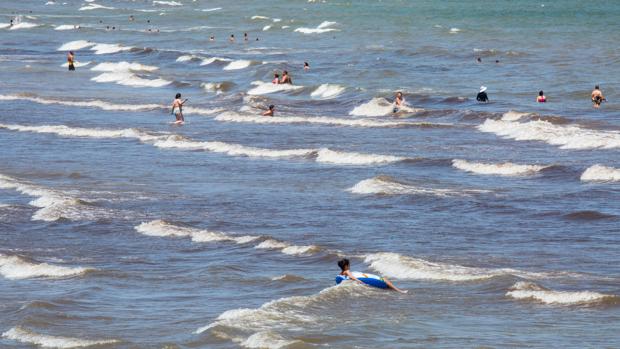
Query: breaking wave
385	185
94	103
238	64
502	169
530	291
321	28
378	107
326	155
46	341
14	267
164	229
600	173
263	88
327	91
75	45
130	79
564	136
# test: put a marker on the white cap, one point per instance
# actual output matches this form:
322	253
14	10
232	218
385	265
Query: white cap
483	88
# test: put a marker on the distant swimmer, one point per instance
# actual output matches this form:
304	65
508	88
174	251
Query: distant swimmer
367	279
177	108
479	60
276	79
306	66
245	36
270	111
541	97
482	95
399	102
212	38
597	97
70	60
232	38
286	79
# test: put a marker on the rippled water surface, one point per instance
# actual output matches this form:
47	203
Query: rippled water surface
120	230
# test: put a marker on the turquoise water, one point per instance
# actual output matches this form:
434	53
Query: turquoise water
120	230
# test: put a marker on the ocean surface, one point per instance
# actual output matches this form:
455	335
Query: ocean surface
121	230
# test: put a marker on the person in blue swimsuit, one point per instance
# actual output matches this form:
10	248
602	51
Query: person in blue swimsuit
345	266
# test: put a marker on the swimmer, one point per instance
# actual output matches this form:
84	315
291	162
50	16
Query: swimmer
177	108
479	60
212	38
276	79
286	79
270	111
597	97
232	38
70	60
482	95
345	265
399	102
541	97
245	36
306	66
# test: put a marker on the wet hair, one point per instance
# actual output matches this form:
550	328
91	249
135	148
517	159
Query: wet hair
306	64
271	107
343	263
178	95
399	93
276	75
232	35
285	72
70	52
596	87
541	93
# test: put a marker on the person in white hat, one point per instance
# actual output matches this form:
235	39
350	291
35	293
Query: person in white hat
482	95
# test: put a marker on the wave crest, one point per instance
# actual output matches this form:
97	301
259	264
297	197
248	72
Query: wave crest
600	173
531	291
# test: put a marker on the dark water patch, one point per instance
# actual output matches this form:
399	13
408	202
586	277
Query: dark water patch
588	216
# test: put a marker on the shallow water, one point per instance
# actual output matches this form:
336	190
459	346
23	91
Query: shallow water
123	231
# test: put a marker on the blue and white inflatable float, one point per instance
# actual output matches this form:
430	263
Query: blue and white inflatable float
368	279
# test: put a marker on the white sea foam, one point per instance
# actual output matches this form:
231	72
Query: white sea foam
46	341
502	169
326	155
259	17
410	268
4	25
383	185
23	25
187	58
123	67
102	49
267	27
230	148
93	6
210	60
514	115
13	267
600	173
322	120
564	136
212	87
66	27
327	91
67	131
164	229
530	291
167	3
130	79
211	9
321	28
260	327
76	45
94	103
287	248
52	204
454	30
76	64
378	107
238	64
263	88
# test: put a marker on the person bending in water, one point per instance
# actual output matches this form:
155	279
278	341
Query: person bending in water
70	60
399	102
276	79
286	79
306	66
270	111
541	97
345	265
597	97
177	108
482	95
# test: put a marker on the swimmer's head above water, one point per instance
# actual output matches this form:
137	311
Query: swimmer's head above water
344	264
